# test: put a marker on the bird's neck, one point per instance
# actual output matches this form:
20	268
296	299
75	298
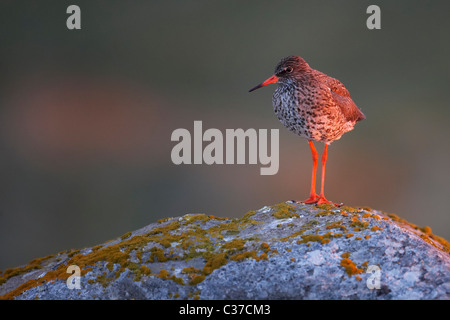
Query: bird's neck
288	82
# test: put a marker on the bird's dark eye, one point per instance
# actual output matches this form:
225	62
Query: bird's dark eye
283	71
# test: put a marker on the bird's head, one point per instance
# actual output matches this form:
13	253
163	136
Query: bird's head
287	69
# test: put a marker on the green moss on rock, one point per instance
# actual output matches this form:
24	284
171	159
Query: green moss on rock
284	211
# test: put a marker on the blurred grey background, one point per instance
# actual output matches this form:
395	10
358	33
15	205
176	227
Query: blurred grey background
86	115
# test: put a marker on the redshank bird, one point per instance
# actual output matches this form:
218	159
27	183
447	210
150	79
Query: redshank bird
314	106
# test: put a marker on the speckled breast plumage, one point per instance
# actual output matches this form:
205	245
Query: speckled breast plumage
309	109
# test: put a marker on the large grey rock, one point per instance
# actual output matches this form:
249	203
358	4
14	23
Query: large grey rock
287	251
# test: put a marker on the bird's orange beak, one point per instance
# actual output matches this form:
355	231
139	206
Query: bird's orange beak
272	79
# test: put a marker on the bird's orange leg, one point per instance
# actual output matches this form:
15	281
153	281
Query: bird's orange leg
322	199
313	195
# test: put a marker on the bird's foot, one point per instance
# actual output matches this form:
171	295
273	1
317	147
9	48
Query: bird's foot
322	200
313	198
318	199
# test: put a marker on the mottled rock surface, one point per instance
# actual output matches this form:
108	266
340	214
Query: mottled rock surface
286	251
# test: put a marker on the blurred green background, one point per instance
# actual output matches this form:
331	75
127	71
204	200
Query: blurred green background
86	115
